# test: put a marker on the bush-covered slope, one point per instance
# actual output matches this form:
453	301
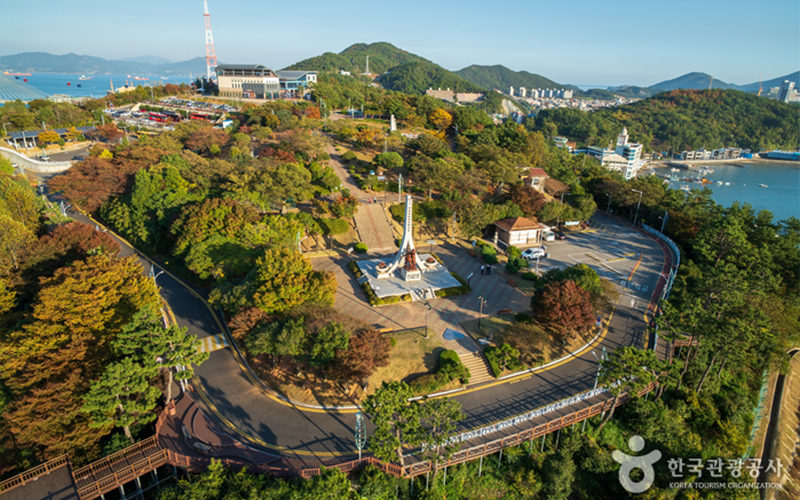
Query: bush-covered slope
416	77
382	56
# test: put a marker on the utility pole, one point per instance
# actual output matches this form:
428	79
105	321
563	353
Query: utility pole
637	205
480	314
399	188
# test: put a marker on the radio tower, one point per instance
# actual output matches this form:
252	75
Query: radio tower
211	55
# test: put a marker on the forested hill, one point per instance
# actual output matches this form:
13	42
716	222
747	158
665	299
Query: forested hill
501	78
416	77
694	80
382	56
683	119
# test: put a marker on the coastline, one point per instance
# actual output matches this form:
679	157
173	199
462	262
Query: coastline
689	164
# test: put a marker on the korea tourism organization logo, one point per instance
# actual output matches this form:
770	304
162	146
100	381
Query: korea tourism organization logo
703	474
628	463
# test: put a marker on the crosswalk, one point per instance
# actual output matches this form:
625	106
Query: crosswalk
213	343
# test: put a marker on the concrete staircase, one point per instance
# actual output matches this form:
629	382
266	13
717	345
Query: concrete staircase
478	366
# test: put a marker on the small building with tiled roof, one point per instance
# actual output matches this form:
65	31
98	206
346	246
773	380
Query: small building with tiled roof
519	231
535	178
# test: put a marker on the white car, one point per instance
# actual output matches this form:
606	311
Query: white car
534	253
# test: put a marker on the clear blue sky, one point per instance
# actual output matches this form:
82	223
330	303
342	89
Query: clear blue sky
579	42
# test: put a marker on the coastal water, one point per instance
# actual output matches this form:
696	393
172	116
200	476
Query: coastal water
56	83
781	196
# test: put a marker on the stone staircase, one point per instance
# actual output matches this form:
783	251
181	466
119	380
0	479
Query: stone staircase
478	366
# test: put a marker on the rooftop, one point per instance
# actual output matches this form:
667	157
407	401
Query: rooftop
517	224
537	172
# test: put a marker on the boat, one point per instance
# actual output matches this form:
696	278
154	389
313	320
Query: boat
727	183
720	183
141	78
762	185
686	188
164	78
68	84
674	170
84	77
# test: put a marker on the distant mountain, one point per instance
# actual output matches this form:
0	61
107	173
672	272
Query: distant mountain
417	77
42	62
775	82
501	78
693	81
382	56
632	91
152	60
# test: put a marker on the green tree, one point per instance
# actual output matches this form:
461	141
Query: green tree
154	346
284	279
14	239
627	369
439	419
396	420
122	397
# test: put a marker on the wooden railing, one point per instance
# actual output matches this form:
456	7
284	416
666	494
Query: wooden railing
117	478
31	474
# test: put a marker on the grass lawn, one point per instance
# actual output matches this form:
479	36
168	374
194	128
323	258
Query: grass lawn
545	348
413	355
489	324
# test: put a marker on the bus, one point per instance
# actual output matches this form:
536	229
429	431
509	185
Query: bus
197	116
157	117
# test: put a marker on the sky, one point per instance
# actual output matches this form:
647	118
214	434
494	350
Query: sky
582	42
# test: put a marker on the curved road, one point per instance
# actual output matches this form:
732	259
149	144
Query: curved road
240	406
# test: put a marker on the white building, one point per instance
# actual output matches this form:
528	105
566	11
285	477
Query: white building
626	157
247	80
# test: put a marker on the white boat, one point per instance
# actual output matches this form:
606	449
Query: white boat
84	77
762	185
674	170
727	183
719	183
686	188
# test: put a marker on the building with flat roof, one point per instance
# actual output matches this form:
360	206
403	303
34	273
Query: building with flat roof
626	157
292	80
247	80
787	88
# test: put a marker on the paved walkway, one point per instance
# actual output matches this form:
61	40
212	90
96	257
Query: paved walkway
372	221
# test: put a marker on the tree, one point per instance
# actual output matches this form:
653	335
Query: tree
529	200
329	339
368	351
154	346
389	160
48	137
627	369
205	138
429	145
65	244
438	174
368	137
19	201
565	307
122	397
397	421
439	419
110	132
473	217
14	239
440	119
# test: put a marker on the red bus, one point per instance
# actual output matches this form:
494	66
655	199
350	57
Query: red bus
197	116
157	117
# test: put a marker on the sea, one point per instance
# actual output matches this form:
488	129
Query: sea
781	196
56	83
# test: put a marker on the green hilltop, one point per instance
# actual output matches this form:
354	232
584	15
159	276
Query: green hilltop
501	78
417	77
382	56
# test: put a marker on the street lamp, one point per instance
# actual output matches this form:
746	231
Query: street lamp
637	205
153	273
427	313
608	208
664	221
596	377
558	218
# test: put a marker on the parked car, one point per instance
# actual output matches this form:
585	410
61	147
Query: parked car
560	236
534	253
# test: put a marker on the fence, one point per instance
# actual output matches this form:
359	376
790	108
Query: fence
35	165
33	474
674	271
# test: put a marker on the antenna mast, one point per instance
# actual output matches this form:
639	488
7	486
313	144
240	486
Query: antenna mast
211	55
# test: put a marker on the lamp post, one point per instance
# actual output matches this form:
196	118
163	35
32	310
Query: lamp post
596	377
664	221
427	313
637	205
480	314
558	218
608	207
153	273
399	188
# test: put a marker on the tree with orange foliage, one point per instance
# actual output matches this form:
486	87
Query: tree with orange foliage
440	119
565	307
110	132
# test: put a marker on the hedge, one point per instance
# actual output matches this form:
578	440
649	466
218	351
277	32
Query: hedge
456	290
489	254
450	364
530	276
492	353
373	299
360	248
429	383
349	155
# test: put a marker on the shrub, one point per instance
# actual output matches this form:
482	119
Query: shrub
429	383
523	318
512	268
393	341
502	357
530	276
333	226
513	251
489	254
490	258
349	156
451	366
361	248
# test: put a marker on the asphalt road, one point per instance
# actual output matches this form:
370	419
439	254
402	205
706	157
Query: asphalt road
242	407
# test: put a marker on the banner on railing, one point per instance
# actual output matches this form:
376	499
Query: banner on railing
466	436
